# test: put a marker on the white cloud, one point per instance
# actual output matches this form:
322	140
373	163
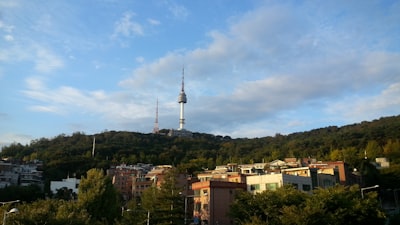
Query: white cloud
270	69
46	109
8	37
248	74
126	27
65	100
9	3
47	61
357	108
153	22
178	11
140	59
17	138
6	28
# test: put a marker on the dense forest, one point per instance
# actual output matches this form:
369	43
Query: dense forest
63	154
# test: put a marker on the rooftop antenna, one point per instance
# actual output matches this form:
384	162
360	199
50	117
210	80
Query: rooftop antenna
156	129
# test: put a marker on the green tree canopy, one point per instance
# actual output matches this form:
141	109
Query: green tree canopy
165	204
51	212
286	206
98	196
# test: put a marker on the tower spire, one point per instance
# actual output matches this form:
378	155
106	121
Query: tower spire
155	129
183	80
182	100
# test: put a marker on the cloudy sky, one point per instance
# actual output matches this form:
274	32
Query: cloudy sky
252	68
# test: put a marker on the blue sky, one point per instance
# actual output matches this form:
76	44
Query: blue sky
252	68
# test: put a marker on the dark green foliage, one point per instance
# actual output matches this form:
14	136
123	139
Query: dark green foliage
26	194
286	206
264	206
65	194
166	205
98	197
51	212
390	177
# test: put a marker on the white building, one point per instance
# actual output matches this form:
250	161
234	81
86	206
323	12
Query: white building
69	183
20	174
260	183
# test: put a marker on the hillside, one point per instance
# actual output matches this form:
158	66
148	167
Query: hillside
64	154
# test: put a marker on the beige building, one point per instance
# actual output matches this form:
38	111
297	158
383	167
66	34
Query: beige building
260	183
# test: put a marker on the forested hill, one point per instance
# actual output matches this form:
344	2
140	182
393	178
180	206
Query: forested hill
65	154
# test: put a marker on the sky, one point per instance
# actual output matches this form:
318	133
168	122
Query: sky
251	68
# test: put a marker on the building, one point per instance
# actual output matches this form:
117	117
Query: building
381	163
341	167
212	199
8	175
21	174
124	178
71	183
260	183
29	175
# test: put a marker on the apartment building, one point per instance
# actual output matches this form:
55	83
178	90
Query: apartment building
21	174
342	169
212	199
124	178
259	183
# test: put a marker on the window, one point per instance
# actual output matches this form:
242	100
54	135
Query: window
197	206
255	187
306	187
271	186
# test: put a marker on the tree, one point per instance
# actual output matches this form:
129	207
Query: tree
165	204
250	209
149	202
336	155
287	206
98	196
133	213
373	150
51	211
336	206
65	194
23	193
392	150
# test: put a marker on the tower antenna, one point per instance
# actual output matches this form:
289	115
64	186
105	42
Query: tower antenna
155	129
94	146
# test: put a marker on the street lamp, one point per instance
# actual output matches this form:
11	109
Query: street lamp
131	210
367	188
13	210
186	204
